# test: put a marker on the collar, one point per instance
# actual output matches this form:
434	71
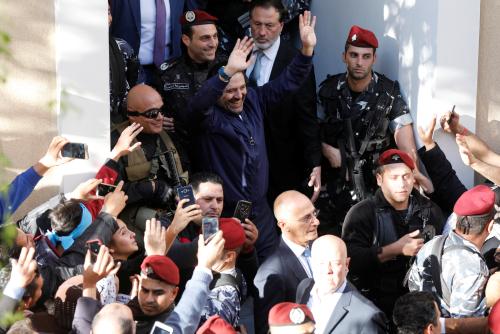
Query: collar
230	271
272	51
342	83
456	239
297	249
67	241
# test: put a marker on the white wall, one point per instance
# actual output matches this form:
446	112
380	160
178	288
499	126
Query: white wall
82	81
430	46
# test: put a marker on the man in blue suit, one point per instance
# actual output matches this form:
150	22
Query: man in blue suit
135	21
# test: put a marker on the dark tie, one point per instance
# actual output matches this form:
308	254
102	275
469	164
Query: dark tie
255	75
161	18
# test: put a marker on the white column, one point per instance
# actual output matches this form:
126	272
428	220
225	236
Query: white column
83	83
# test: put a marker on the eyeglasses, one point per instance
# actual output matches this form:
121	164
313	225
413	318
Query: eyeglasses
310	217
151	113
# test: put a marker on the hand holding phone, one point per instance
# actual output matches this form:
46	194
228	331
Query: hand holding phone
242	210
75	150
161	328
209	226
94	246
186	192
103	189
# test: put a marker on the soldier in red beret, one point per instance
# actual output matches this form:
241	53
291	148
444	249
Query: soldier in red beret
458	266
216	325
365	114
384	232
291	318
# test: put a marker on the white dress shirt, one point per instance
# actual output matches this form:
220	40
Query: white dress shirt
298	250
266	63
148	26
323	306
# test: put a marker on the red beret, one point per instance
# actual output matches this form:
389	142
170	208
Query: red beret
196	17
216	325
362	38
477	201
289	314
232	232
161	268
394	156
494	318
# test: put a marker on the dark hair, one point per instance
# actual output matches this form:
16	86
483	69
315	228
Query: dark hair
126	325
474	225
186	30
276	4
346	46
414	311
203	177
65	217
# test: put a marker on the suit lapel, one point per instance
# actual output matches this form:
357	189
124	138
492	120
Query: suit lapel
135	6
340	310
279	62
292	262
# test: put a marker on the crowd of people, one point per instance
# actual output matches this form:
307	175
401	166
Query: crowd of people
243	200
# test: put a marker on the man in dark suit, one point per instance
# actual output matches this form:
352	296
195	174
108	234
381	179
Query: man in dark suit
137	26
279	276
291	127
336	304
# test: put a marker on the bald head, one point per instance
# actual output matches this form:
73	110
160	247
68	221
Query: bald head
329	263
114	318
141	99
296	217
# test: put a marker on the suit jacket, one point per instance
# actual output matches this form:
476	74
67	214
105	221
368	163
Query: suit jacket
353	313
276	281
292	131
127	22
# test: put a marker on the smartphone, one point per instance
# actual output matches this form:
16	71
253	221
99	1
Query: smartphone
242	210
186	192
161	328
452	115
75	150
209	226
103	189
94	246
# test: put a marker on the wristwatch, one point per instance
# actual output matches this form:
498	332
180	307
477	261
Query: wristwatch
223	75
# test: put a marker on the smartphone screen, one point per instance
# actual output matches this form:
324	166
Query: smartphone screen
94	246
209	226
242	210
161	328
75	150
103	189
186	192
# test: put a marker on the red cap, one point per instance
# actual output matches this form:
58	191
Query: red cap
394	156
289	314
216	325
477	201
362	38
494	318
196	17
161	268
232	232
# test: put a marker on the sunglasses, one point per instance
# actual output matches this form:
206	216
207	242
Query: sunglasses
151	113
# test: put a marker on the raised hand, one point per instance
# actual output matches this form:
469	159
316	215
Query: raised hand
154	238
307	34
450	122
251	235
93	272
183	216
237	61
426	135
116	201
53	156
24	268
211	252
315	182
85	189
122	146
467	157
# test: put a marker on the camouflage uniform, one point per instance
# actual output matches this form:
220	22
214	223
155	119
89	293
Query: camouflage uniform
464	271
225	301
337	104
